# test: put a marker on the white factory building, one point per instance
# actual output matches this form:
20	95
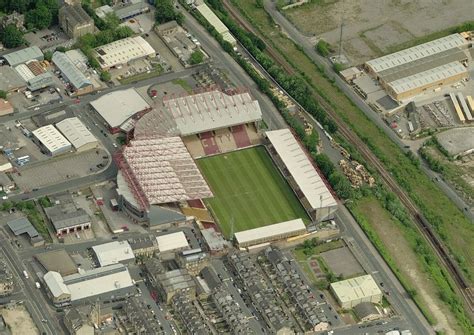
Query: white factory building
113	253
173	242
118	108
421	68
77	133
123	51
353	291
295	165
270	233
51	140
104	283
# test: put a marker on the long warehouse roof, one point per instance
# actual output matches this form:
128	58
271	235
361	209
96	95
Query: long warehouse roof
118	106
417	52
427	77
123	51
276	229
76	132
212	18
70	71
51	138
23	55
298	164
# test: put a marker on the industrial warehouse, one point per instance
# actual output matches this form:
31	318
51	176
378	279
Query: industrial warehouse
424	67
123	51
116	108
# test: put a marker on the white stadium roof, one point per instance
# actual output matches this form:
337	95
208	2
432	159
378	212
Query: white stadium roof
113	252
173	241
123	51
417	52
194	114
118	106
298	164
76	132
163	171
277	229
51	138
427	77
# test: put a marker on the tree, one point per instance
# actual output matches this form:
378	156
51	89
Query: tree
196	57
48	55
323	48
38	18
3	95
165	12
11	37
105	76
111	21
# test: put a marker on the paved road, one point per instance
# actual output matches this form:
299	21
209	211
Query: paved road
237	75
306	43
33	299
374	264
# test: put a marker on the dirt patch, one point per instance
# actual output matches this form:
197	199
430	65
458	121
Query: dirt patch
391	22
19	321
406	260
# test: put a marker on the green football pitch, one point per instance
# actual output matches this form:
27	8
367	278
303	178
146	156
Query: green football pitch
248	190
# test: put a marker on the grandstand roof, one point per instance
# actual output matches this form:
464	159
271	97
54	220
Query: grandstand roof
76	132
417	52
118	106
298	164
70	71
194	114
277	229
427	77
22	56
123	51
51	138
162	170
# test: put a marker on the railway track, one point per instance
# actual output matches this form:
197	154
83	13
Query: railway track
423	226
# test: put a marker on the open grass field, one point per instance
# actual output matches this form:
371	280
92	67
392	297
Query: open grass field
249	190
451	224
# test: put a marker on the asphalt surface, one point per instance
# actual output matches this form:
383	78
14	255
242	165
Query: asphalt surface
308	47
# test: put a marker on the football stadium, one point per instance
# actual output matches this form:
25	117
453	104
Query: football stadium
205	156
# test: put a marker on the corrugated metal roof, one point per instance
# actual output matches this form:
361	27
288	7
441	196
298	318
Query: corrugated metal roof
220	27
417	52
194	114
356	288
51	138
427	77
70	71
22	56
117	107
276	229
21	226
302	170
41	81
123	51
76	132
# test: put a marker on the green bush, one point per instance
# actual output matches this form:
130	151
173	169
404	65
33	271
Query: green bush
323	48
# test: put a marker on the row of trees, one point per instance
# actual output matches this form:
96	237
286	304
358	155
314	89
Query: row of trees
295	86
